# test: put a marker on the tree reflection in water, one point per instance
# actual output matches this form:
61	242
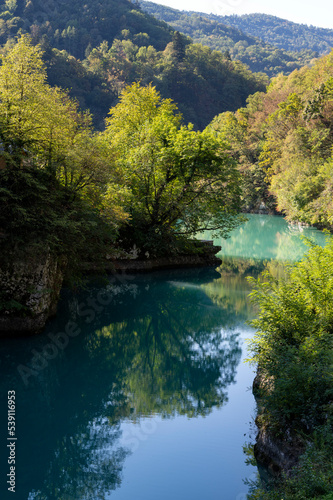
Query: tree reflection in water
167	350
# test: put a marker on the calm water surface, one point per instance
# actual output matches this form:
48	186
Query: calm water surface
146	396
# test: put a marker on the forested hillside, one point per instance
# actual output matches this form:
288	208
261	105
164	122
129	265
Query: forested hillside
95	50
281	32
259	53
77	26
283	142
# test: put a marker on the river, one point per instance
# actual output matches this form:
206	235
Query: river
137	390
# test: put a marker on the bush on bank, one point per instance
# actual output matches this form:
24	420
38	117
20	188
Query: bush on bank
293	347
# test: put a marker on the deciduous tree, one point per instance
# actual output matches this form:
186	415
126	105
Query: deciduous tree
180	181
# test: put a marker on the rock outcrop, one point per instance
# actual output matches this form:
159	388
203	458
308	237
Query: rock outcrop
275	453
205	257
30	285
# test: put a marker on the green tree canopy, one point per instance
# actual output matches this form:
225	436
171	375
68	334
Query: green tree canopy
41	126
37	119
178	181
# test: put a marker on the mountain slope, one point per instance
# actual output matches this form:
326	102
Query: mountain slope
250	47
280	32
95	49
76	25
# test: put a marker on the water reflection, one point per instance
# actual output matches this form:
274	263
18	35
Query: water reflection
167	349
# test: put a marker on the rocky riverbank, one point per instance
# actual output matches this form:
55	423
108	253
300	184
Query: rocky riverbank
276	452
205	255
31	283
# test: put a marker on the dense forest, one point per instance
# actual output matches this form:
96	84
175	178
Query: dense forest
76	26
281	33
283	142
260	53
95	50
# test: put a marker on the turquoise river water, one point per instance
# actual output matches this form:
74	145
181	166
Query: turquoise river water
137	390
